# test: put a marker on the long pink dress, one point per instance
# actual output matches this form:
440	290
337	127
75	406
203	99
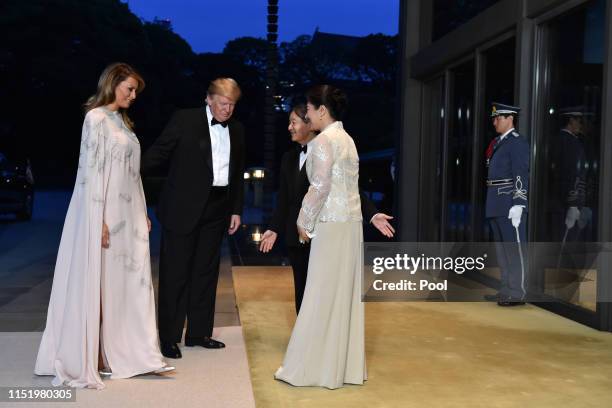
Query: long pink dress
108	188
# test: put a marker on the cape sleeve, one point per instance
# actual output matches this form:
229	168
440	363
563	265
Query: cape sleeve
69	346
322	160
93	177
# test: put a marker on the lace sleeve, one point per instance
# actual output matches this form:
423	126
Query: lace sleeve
322	160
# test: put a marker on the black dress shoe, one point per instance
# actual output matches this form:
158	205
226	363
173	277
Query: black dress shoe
510	302
170	350
206	342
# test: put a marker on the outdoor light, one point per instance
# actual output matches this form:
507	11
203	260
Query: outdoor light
256	236
247	175
551	111
259	174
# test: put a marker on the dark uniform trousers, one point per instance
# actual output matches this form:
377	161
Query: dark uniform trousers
512	261
508	177
189	271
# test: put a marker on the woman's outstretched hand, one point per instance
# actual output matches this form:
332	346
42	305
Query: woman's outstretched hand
381	222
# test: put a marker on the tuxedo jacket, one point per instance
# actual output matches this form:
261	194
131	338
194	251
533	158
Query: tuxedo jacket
293	187
185	143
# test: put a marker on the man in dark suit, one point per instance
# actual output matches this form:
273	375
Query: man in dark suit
202	198
293	187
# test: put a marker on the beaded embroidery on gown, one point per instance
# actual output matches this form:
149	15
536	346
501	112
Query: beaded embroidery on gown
108	188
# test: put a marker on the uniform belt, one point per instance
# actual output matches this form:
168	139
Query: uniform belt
500	182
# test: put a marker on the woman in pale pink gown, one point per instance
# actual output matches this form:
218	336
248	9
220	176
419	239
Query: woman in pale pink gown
102	305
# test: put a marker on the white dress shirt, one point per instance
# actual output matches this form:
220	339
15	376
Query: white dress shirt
502	137
220	147
303	155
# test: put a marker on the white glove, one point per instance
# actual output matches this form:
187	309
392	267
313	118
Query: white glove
586	214
515	215
572	215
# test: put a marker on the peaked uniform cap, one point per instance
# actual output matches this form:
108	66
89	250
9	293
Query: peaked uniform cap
503	109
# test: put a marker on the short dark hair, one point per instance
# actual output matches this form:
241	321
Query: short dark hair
300	110
566	119
329	96
513	116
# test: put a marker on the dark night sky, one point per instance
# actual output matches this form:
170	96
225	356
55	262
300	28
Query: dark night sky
208	24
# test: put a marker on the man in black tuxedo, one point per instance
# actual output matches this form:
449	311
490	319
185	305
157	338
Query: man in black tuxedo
293	187
202	198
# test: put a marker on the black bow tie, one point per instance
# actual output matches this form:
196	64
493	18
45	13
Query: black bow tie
214	122
304	149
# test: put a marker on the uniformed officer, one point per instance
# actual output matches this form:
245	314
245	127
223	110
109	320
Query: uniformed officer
506	203
568	176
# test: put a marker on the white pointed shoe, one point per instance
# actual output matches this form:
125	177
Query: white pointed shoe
105	372
164	370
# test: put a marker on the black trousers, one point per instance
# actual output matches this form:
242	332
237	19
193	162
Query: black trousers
298	256
189	272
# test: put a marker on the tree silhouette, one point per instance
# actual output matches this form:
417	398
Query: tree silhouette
374	60
52	54
250	51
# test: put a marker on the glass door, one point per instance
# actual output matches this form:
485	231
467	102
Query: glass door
498	73
458	158
566	181
432	157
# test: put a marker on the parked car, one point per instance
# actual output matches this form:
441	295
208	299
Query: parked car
16	187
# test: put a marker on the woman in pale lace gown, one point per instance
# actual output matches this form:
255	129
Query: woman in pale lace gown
327	344
102	305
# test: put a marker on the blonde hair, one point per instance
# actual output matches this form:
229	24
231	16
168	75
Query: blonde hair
227	87
110	78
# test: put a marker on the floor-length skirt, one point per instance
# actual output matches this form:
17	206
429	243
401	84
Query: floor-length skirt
327	343
92	284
